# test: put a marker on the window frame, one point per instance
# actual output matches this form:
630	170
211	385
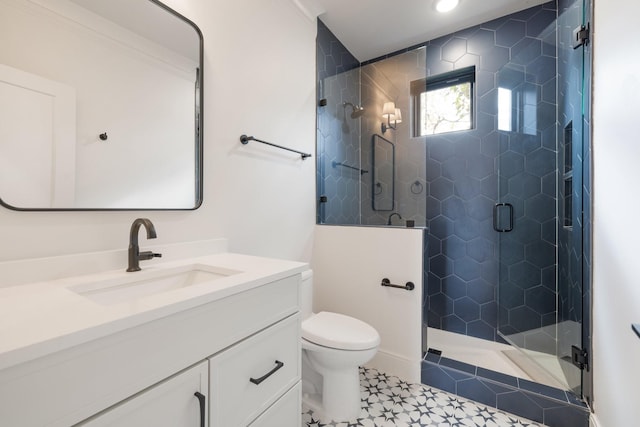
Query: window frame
440	81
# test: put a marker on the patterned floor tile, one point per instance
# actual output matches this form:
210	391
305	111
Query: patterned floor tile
387	401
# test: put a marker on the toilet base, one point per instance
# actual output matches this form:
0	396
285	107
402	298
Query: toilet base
341	394
314	402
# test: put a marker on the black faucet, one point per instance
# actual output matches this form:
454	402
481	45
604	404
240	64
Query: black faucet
134	250
391	216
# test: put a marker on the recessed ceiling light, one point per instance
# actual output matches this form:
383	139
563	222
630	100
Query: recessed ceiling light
444	6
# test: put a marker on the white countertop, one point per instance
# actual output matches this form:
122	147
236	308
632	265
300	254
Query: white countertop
41	318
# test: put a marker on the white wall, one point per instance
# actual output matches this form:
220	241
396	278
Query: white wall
41	114
616	287
349	264
259	79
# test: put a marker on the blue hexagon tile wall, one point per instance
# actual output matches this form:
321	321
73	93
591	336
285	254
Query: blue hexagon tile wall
338	139
516	52
460	173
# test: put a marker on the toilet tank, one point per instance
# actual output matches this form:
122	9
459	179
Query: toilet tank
306	294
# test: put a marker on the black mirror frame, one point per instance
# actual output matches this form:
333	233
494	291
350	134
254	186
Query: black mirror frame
199	114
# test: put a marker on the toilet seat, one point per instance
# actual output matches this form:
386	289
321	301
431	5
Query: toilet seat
338	331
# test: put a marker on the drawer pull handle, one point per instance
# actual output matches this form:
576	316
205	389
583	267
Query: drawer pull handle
257	381
202	400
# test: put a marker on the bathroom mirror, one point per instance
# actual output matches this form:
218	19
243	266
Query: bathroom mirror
100	106
383	177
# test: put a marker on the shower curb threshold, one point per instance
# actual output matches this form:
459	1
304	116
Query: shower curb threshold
537	402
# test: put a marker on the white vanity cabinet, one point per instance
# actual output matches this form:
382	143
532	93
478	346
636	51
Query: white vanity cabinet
255	382
146	375
171	403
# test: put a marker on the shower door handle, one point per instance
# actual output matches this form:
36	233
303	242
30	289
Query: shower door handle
496	226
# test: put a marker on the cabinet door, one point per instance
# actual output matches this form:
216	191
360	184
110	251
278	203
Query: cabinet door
171	403
286	412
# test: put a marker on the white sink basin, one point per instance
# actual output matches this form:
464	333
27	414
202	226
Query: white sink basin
132	286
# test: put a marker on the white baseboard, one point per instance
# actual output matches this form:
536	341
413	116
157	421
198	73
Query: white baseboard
392	364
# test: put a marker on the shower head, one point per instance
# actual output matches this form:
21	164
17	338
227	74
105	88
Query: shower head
356	110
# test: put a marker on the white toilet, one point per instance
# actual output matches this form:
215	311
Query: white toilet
333	347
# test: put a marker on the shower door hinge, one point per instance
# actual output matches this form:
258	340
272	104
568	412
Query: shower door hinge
580	357
581	36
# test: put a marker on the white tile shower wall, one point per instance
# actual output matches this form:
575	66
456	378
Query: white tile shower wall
258	79
349	264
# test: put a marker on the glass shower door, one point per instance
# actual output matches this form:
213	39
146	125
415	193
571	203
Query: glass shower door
574	189
539	214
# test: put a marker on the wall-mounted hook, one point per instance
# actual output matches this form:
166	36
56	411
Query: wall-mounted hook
417	187
103	136
378	189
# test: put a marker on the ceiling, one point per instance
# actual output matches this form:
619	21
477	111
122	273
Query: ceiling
372	28
150	21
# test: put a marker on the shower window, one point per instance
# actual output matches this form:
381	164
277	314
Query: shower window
443	103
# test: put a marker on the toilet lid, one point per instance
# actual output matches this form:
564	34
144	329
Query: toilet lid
339	331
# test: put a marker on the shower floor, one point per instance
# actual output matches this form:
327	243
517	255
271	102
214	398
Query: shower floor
494	356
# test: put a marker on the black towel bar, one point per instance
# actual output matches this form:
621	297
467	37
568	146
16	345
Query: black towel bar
386	282
245	140
362	171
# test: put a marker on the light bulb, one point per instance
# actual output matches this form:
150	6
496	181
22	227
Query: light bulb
444	6
398	116
388	109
